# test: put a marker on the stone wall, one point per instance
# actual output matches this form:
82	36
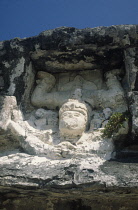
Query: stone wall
59	91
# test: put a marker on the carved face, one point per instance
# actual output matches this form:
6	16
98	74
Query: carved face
72	123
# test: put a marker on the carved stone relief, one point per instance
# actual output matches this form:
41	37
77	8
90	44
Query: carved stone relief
58	92
70	111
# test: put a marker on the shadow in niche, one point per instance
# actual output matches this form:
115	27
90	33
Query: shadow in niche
12	152
71	205
125	160
127	150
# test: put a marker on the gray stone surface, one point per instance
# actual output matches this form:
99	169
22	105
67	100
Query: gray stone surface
47	83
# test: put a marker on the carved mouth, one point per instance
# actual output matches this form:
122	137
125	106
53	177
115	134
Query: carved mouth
70	124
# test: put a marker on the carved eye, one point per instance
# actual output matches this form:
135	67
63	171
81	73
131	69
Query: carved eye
64	114
76	114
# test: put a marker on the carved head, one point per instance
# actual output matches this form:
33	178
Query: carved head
72	118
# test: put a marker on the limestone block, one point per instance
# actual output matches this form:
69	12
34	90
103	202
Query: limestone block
42	118
40	123
107	113
95	124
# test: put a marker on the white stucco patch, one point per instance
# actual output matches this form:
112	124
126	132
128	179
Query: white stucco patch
37	47
15	45
16	73
6	64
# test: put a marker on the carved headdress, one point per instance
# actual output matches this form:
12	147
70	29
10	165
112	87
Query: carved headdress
74	105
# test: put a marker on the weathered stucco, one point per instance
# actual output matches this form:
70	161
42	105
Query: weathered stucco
58	92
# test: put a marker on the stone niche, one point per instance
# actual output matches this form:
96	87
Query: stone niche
68	113
59	91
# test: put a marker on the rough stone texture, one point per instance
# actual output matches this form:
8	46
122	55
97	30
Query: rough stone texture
58	91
